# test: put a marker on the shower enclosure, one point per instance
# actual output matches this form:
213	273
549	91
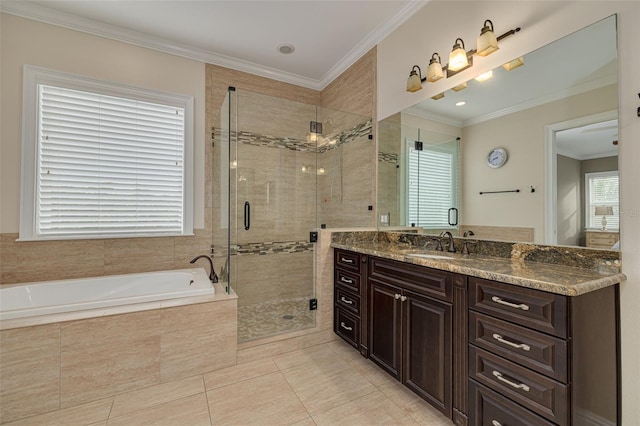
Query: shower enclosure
283	169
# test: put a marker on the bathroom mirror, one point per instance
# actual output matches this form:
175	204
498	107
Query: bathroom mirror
554	119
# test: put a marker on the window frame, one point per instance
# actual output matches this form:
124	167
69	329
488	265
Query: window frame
34	76
588	203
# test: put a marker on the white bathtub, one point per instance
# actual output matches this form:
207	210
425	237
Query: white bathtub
52	297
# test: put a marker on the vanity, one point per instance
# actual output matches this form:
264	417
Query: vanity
493	339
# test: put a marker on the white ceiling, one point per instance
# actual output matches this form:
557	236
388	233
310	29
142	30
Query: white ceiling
587	142
329	36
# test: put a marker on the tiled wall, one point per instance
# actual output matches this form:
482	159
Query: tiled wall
389	133
49	367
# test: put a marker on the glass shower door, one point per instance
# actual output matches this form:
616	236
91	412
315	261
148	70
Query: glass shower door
273	179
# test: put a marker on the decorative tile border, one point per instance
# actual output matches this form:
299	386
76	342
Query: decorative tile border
264	248
346	136
383	157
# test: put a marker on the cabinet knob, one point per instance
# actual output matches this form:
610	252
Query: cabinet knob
396	296
495	423
403	298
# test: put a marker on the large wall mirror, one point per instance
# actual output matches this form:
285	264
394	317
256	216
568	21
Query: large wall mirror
528	155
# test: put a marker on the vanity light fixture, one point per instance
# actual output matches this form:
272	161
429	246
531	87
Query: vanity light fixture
485	76
459	87
434	71
414	83
458	59
487	41
438	96
512	65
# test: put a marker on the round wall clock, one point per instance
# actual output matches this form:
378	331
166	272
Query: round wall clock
497	157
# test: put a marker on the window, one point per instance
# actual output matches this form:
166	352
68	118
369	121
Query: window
602	190
432	183
103	160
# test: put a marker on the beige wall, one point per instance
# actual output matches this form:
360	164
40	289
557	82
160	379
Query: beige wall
34	43
522	135
569	187
542	23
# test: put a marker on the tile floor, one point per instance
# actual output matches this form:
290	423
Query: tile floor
328	384
271	318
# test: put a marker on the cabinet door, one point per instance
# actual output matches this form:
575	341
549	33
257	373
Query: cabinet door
427	349
384	326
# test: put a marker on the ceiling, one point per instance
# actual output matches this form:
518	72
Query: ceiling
328	36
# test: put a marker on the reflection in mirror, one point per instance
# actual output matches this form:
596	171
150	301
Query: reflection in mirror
563	98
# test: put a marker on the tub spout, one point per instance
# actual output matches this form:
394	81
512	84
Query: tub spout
212	274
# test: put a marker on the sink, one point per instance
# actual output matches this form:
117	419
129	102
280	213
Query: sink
431	256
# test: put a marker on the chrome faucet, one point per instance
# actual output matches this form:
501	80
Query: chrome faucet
451	248
212	274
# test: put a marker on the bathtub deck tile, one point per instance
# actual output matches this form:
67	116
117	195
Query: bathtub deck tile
85	414
110	368
191	410
156	395
30	371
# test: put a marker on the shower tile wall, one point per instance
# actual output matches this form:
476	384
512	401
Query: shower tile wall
389	133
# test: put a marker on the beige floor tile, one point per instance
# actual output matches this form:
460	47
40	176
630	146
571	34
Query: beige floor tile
327	383
239	373
401	395
425	414
306	422
371	371
156	395
192	411
345	350
372	409
93	412
304	356
264	400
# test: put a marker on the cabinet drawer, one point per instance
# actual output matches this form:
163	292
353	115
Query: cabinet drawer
490	408
537	351
347	327
348	260
534	391
423	280
348	280
347	301
542	311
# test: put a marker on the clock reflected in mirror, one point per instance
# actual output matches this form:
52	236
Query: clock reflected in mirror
497	158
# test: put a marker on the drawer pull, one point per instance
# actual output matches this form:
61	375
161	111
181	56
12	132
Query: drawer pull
509	304
347	301
345	327
501	339
495	423
346	280
522	386
343	260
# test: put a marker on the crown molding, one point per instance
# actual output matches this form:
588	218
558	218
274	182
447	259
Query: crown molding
371	40
89	26
582	157
73	22
417	111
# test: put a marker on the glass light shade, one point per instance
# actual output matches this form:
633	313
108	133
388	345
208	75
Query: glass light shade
459	87
512	65
434	71
485	76
487	41
458	57
604	211
413	83
438	96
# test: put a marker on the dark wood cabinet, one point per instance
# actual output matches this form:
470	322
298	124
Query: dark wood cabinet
349	292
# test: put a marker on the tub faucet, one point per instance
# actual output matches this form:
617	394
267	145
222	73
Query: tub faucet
451	248
212	274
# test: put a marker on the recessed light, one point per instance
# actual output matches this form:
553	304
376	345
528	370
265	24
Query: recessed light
460	103
286	49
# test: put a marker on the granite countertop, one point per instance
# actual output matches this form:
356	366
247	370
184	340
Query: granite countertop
559	279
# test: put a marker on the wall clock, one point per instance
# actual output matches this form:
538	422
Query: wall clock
497	157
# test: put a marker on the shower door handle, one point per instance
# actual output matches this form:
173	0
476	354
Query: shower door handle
247	215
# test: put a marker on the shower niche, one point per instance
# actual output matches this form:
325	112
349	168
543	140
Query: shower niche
282	169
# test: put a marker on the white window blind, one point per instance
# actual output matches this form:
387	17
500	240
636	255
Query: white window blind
108	166
432	184
602	189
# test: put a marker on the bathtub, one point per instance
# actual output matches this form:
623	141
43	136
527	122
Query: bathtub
64	296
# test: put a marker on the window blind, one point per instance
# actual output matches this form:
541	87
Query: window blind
108	165
432	185
602	189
